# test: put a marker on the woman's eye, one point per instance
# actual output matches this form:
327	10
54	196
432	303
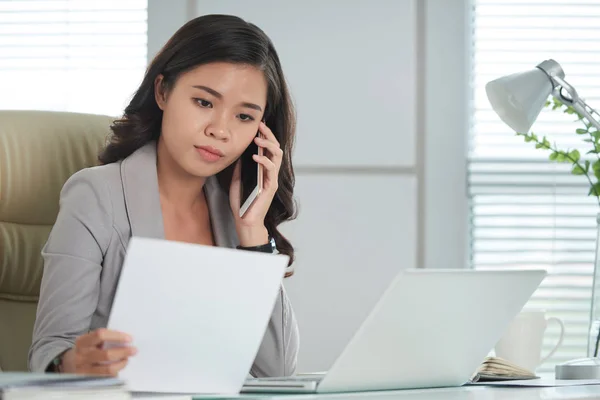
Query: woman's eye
204	103
246	117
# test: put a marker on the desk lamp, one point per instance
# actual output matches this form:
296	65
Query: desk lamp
518	99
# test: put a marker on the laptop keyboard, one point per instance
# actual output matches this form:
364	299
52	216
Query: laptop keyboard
299	378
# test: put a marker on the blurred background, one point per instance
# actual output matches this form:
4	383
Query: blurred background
400	161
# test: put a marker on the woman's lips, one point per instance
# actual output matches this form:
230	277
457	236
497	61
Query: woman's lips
209	153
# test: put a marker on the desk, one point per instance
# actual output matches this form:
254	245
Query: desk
459	393
469	393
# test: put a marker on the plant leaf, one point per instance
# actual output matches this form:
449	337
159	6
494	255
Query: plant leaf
577	170
542	144
587	166
595	190
553	156
574	155
596	168
560	157
581	131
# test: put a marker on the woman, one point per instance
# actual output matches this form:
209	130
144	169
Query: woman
170	171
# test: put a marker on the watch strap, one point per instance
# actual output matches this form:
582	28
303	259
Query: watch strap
263	248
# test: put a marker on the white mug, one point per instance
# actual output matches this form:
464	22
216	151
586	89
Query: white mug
522	341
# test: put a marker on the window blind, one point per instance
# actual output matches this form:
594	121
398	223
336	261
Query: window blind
525	210
71	55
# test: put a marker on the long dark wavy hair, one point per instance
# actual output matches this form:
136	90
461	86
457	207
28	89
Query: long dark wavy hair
203	40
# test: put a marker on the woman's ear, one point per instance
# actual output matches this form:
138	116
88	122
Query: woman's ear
160	92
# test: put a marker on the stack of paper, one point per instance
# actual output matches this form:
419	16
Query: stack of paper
498	369
31	386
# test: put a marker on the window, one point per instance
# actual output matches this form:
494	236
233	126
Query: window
71	55
527	211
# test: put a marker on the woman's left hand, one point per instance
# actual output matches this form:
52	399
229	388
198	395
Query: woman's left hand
251	228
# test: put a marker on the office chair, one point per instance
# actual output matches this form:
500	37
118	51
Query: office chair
39	151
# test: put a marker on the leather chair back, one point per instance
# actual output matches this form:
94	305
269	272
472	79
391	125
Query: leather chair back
39	151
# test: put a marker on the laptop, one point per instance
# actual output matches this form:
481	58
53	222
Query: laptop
431	328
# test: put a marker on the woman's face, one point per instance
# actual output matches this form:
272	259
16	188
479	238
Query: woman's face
211	115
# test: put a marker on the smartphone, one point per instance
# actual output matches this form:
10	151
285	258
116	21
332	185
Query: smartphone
251	177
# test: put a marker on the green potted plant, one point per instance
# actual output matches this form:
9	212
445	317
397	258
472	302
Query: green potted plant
587	166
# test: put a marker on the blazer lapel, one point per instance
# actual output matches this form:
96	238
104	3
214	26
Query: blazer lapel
142	200
140	187
221	217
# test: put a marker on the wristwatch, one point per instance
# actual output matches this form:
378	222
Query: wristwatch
56	364
263	248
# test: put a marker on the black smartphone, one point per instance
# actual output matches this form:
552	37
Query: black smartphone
251	177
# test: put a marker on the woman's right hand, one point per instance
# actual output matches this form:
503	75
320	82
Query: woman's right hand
91	356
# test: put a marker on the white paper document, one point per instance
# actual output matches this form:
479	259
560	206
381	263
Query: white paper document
542	382
197	314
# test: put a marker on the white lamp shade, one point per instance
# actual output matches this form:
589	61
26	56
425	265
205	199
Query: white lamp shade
519	98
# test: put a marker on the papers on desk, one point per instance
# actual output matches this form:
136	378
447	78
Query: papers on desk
497	369
24	385
161	396
24	379
197	314
542	382
172	396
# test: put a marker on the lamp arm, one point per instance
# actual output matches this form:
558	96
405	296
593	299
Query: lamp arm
582	108
575	101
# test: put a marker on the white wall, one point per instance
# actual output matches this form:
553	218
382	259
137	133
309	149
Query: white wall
380	88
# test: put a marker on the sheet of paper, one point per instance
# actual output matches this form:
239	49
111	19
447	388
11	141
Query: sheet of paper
543	382
160	396
197	314
25	379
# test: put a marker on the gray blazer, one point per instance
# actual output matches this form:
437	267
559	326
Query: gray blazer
100	209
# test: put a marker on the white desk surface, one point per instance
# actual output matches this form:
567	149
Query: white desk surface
459	393
468	393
